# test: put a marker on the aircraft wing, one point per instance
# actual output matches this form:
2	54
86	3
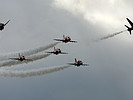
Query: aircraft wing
64	53
71	63
131	23
50	52
7	22
58	39
19	59
14	58
28	59
85	65
73	41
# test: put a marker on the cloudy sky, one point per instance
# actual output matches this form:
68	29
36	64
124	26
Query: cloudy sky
35	23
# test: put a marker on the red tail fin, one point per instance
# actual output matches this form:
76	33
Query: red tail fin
75	60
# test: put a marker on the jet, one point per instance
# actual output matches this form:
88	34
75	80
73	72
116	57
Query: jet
57	51
20	58
78	63
2	25
65	39
129	28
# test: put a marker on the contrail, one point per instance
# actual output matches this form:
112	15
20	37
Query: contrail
108	36
28	52
34	51
34	72
31	58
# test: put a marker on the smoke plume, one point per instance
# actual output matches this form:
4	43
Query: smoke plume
28	52
34	72
30	59
108	36
34	51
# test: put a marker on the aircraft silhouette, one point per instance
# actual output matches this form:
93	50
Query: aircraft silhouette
65	39
129	28
78	63
2	25
57	51
20	58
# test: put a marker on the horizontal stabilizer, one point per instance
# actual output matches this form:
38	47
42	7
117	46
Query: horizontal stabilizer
127	26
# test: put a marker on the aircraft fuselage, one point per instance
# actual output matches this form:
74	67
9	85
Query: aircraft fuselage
2	26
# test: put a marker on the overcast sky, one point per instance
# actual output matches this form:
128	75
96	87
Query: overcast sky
35	23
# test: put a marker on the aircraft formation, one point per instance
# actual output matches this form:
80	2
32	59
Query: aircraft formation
22	59
56	51
67	39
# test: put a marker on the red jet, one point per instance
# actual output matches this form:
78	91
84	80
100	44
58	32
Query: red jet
20	58
78	63
65	39
2	25
57	51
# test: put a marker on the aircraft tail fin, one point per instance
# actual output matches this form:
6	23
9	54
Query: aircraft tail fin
75	60
63	36
19	55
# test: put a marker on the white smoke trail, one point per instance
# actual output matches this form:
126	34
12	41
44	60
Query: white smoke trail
31	59
34	51
28	52
34	72
108	36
